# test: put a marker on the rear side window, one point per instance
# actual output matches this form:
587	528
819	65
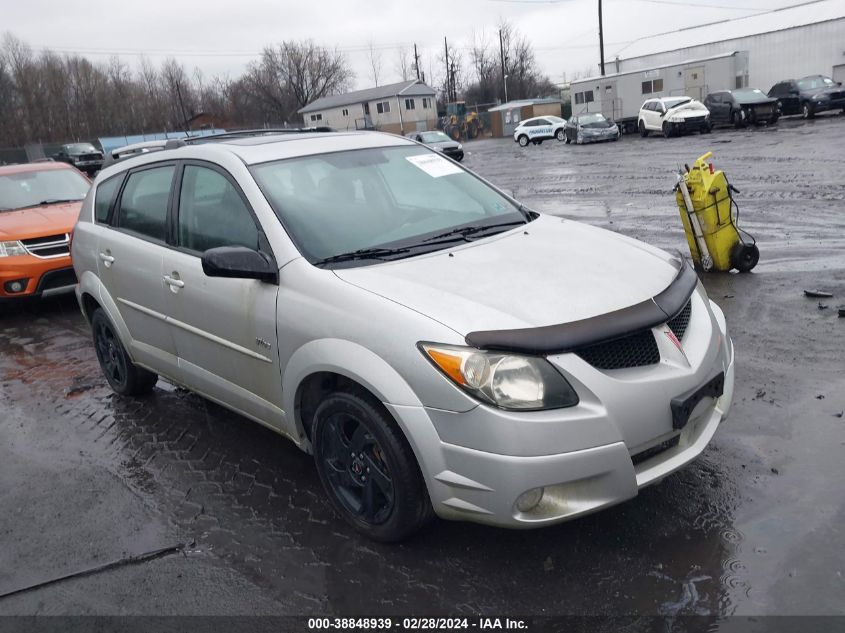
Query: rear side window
212	212
143	205
106	191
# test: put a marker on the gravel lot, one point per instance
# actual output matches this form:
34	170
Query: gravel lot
752	527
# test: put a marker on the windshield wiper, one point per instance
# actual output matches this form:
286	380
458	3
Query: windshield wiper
472	230
50	201
363	253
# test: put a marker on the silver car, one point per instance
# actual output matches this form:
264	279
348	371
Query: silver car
438	347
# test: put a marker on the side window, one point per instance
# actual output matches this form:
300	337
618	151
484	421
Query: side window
212	213
143	205
105	196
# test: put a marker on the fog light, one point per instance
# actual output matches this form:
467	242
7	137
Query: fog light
18	285
529	499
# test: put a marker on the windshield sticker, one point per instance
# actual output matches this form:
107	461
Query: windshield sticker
434	165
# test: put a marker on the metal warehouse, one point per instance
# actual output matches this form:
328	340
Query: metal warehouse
793	42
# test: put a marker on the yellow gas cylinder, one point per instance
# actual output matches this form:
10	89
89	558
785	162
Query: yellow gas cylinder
712	202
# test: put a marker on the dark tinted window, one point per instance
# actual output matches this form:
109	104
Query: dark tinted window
143	205
105	196
212	213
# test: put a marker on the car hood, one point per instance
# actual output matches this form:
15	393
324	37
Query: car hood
829	90
444	145
51	219
551	271
693	108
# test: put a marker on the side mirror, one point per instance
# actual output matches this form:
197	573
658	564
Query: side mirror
239	262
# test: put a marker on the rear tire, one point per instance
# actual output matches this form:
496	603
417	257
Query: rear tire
123	376
642	130
744	257
368	468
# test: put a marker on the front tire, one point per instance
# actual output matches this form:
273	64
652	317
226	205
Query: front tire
667	129
368	469
559	135
123	376
807	110
641	128
523	141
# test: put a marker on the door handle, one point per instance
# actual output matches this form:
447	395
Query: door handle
107	259
173	283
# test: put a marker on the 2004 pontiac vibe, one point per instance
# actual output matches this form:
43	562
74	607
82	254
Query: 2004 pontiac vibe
438	347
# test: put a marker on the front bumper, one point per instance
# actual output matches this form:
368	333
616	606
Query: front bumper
44	277
478	463
596	137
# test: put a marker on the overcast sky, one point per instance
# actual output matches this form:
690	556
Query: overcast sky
222	37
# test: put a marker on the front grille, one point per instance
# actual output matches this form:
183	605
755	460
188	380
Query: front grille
648	453
679	323
49	246
91	157
694	120
57	279
634	350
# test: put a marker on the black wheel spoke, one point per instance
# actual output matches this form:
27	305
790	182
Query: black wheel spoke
360	438
369	505
377	475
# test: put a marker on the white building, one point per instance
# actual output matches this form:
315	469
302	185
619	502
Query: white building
789	43
407	106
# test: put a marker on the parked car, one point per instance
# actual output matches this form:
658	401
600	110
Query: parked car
538	129
84	156
672	116
808	96
440	142
436	345
589	128
741	107
39	204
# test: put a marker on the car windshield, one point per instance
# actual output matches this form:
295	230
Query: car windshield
80	148
392	197
674	103
750	95
814	83
587	119
434	137
34	188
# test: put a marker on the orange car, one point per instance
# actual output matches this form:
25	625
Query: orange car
39	204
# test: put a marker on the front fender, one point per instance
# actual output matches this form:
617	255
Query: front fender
353	361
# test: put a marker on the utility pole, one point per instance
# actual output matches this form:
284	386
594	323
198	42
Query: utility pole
601	42
502	59
416	61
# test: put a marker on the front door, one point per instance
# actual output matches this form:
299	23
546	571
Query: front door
694	82
608	101
131	255
225	329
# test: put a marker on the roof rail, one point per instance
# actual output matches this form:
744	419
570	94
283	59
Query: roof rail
246	134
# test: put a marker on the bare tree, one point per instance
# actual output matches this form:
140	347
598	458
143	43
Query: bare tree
374	58
404	65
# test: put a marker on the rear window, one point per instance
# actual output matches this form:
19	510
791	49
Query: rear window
143	205
106	191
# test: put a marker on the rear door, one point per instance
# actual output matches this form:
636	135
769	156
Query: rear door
225	329
130	259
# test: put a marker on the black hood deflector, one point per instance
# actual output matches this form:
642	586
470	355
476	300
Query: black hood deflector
566	337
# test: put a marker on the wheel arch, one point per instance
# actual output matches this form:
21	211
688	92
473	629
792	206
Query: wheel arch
326	364
92	294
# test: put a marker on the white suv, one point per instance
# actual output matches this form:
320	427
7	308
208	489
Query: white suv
538	129
673	116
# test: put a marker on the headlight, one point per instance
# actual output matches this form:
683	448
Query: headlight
460	146
676	119
821	97
508	381
10	249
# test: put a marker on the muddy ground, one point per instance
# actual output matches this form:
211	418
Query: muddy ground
755	526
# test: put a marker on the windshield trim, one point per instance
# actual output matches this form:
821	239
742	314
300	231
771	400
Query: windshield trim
519	209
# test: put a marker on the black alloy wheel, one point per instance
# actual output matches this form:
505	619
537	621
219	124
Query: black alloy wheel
124	377
367	468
